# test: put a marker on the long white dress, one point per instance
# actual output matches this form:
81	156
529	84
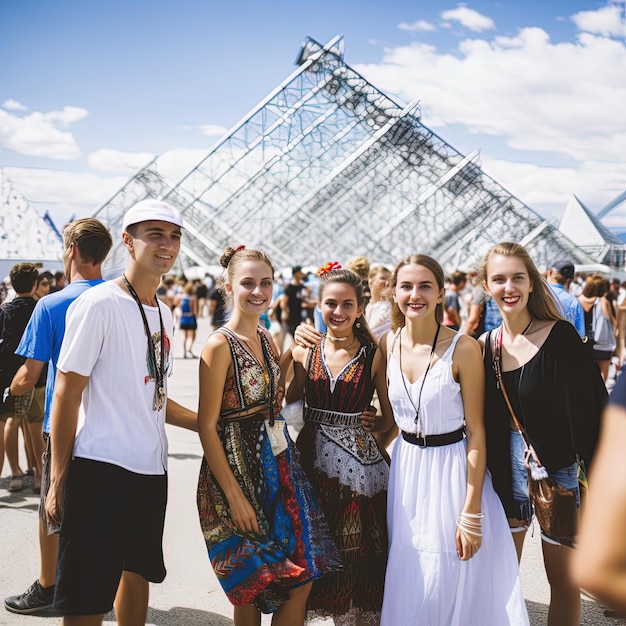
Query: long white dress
426	583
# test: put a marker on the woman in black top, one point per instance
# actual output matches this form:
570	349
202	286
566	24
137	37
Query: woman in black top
556	392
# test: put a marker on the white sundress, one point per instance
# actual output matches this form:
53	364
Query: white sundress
426	583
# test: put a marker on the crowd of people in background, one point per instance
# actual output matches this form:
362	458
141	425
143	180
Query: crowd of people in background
502	368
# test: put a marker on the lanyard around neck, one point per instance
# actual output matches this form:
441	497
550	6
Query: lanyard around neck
419	397
159	368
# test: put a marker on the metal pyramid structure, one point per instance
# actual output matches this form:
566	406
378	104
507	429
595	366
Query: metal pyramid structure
328	167
586	229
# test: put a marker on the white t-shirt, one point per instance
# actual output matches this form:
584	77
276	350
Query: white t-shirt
106	341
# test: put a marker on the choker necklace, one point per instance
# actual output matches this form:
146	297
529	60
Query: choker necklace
338	339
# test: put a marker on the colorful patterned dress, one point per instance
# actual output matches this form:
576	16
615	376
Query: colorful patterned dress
293	546
349	476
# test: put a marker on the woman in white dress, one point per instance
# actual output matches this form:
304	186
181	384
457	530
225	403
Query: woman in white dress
451	557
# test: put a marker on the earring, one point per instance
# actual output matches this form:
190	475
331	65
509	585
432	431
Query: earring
357	325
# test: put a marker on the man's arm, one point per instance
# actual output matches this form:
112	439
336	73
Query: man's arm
178	415
68	393
26	377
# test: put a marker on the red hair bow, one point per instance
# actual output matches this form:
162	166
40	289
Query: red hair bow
241	247
329	267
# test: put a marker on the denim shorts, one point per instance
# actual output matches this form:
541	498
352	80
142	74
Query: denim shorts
566	477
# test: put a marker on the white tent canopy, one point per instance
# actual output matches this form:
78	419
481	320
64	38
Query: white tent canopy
24	234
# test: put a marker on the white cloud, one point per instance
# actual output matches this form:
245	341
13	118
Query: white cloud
63	192
552	103
212	130
605	21
419	26
564	98
469	18
41	134
14	105
548	189
69	194
118	161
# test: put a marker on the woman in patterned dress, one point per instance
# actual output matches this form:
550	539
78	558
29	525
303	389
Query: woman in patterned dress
349	474
265	533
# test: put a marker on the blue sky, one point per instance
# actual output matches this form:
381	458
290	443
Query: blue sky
90	91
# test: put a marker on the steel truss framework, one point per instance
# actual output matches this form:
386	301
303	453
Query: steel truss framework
327	167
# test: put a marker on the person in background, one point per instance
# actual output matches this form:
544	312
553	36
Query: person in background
86	243
188	319
201	293
483	314
14	316
217	305
108	478
44	284
599	563
559	276
361	266
166	291
378	309
452	307
58	282
293	302
600	321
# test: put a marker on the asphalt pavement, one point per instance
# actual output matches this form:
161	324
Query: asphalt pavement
190	594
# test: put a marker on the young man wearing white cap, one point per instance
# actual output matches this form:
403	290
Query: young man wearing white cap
109	447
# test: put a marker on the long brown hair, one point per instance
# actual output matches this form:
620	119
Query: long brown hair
348	277
397	317
541	302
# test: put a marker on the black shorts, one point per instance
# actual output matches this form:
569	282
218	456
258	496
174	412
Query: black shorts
112	521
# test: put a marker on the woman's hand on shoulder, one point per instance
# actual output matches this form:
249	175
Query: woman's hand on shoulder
306	336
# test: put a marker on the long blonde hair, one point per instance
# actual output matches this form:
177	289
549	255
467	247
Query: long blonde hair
541	302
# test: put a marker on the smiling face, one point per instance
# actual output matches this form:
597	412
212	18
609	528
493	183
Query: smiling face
508	283
340	308
417	292
153	245
251	287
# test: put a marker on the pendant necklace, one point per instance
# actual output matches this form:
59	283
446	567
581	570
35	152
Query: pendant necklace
418	426
159	368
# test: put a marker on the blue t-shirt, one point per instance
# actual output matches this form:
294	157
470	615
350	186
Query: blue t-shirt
43	336
570	308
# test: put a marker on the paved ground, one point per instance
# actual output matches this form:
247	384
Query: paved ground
191	595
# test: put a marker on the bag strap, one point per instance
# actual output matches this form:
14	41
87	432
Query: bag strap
497	354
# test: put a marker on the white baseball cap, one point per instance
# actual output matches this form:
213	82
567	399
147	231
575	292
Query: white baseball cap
152	209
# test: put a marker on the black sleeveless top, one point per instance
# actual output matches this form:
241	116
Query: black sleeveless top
558	398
